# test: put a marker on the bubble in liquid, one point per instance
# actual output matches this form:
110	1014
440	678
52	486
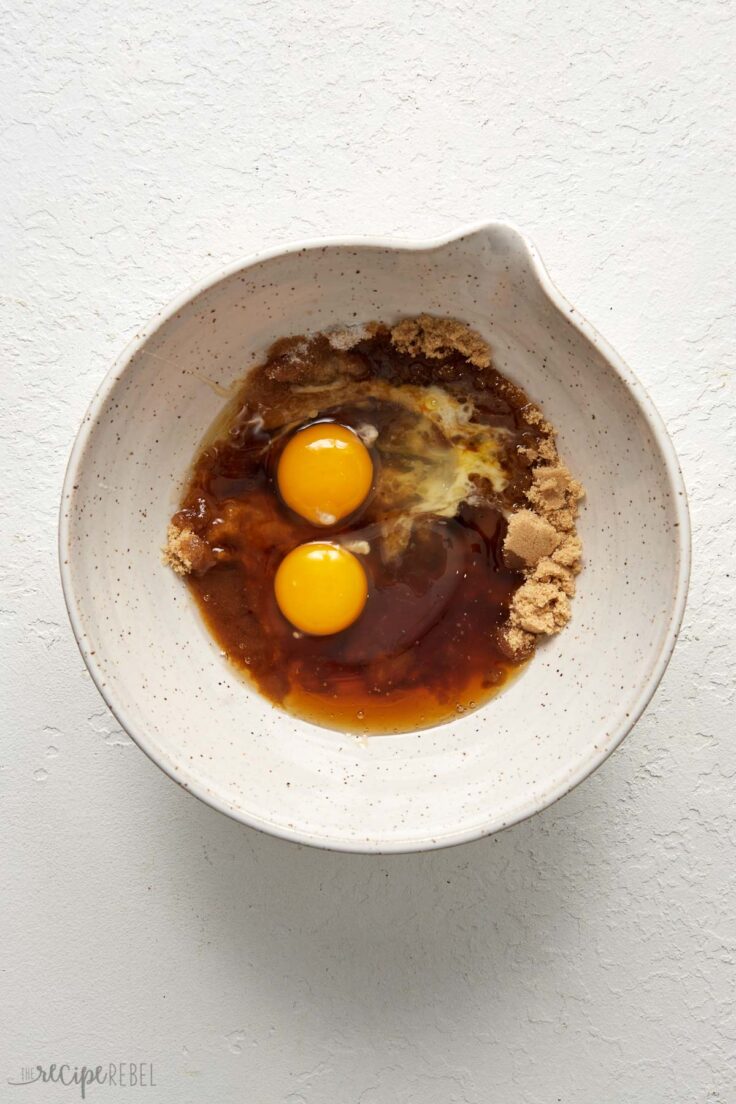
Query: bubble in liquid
459	708
360	714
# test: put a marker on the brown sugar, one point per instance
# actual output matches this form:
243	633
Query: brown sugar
534	416
541	606
554	494
438	338
569	553
529	538
185	552
543	539
517	642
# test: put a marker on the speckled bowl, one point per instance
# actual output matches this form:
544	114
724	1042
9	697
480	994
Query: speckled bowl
162	675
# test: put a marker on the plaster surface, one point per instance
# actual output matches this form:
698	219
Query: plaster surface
585	955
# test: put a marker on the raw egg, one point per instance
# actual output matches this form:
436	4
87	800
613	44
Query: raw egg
325	473
321	588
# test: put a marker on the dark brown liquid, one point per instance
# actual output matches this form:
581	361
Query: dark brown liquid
426	646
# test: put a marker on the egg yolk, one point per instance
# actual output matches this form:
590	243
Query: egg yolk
324	473
321	588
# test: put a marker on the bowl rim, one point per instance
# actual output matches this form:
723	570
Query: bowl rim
599	751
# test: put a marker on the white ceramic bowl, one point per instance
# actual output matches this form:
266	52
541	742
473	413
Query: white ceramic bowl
162	675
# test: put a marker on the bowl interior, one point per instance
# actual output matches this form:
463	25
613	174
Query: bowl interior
164	677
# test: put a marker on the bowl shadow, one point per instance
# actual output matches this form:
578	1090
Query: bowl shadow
356	934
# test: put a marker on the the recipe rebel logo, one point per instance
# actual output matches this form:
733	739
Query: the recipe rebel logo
122	1075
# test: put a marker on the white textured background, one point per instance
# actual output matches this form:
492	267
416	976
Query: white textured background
586	956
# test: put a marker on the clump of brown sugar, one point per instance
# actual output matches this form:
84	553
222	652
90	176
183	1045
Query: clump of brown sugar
438	338
542	541
185	552
529	539
554	495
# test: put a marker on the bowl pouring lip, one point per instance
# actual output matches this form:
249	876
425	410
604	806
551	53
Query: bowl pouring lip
600	751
